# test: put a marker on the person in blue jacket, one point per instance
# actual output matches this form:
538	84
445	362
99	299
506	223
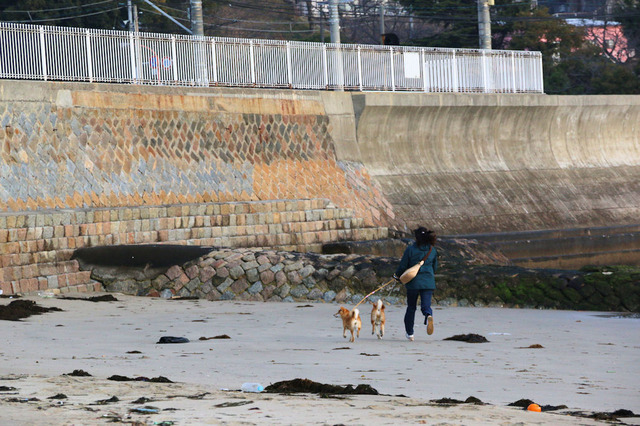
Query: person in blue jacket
424	282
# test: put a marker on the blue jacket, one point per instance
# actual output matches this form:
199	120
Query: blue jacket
425	280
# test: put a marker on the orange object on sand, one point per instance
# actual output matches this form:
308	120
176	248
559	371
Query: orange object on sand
534	407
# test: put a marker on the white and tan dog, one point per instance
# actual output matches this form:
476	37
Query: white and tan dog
350	321
377	318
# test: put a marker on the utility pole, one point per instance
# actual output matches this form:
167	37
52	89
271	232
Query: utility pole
484	23
197	26
130	15
382	21
136	28
334	21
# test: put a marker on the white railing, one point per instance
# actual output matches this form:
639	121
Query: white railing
74	54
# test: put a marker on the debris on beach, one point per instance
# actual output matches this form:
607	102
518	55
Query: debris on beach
613	416
525	403
470	400
309	386
172	339
58	396
19	309
534	346
142	400
103	298
107	401
145	410
159	379
232	404
469	338
22	400
7	388
78	373
221	336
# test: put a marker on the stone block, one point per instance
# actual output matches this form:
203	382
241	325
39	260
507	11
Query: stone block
239	286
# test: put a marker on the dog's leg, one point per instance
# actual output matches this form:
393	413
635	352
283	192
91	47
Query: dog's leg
344	332
381	330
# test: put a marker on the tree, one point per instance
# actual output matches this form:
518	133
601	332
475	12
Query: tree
628	14
571	65
457	22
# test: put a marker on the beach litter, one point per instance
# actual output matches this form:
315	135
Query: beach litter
309	386
469	338
19	309
172	339
159	379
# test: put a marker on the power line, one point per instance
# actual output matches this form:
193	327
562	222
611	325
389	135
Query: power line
64	18
59	8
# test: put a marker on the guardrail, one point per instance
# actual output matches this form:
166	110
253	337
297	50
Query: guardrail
92	55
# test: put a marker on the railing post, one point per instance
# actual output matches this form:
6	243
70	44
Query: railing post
132	54
174	64
325	66
423	65
393	77
513	72
359	70
539	80
485	89
89	60
253	63
214	61
289	67
43	53
454	73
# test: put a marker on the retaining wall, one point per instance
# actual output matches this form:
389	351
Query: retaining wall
455	163
494	163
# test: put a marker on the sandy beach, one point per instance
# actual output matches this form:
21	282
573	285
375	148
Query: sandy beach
587	361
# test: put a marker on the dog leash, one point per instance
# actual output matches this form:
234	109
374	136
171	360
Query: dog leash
374	291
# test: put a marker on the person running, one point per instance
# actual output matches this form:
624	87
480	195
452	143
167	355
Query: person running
424	283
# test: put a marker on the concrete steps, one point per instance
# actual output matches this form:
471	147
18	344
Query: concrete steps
568	248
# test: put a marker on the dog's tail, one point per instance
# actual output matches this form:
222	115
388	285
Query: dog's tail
379	306
355	313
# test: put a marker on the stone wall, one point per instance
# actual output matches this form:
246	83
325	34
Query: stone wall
269	275
95	164
37	247
67	145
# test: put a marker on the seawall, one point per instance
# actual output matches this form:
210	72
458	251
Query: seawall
96	164
495	163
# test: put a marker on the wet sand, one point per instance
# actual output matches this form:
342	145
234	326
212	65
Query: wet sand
587	361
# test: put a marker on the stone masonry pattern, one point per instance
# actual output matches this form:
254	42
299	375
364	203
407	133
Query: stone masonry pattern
275	276
36	248
92	156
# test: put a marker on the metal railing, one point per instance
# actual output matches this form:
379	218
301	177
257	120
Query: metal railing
91	55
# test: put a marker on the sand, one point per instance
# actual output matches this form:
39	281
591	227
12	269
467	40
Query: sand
587	361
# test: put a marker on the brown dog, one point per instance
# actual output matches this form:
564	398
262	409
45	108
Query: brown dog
350	321
377	318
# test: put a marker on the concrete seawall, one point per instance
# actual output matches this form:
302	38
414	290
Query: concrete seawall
495	163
